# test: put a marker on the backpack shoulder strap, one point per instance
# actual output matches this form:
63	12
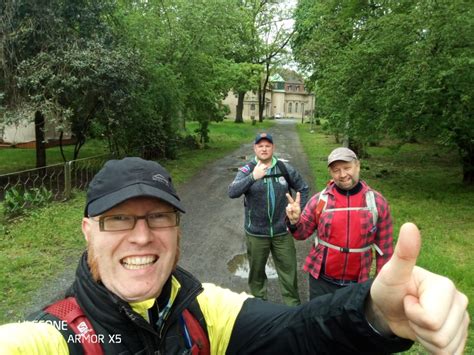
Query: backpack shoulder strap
284	172
372	206
69	310
196	329
322	201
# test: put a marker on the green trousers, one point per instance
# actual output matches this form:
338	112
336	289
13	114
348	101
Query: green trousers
284	255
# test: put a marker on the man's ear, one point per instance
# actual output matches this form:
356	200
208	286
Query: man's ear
86	228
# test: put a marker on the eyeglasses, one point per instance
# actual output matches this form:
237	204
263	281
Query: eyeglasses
123	222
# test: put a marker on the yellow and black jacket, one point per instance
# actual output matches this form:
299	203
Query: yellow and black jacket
234	323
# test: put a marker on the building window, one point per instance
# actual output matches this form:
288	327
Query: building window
289	107
252	107
296	107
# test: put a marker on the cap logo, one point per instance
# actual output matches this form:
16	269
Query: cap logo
160	178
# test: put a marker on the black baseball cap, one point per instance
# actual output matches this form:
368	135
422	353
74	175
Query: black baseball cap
266	136
120	180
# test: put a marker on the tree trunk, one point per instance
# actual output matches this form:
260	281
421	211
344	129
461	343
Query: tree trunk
61	146
468	175
262	92
40	140
240	108
358	148
466	152
467	161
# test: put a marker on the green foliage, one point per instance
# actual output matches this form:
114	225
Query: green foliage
130	72
31	28
18	202
395	69
185	48
81	83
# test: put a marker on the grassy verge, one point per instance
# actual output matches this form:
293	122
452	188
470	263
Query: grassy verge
37	248
423	185
19	159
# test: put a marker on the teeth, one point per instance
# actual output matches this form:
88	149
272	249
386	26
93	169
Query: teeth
138	262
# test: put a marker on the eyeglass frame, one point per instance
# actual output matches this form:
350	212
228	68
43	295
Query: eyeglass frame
135	219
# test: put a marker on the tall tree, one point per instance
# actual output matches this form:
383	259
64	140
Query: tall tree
262	38
393	68
272	28
33	30
193	40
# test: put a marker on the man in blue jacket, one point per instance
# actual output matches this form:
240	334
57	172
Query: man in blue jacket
265	181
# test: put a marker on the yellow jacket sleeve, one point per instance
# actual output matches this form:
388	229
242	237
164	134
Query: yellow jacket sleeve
220	308
31	338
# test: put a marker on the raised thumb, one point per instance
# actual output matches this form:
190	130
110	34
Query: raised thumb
406	252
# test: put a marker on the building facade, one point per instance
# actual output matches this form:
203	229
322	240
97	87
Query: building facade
283	99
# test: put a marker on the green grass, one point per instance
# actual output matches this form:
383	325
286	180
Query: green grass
36	248
18	159
423	184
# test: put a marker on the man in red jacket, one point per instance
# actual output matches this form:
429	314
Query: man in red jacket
350	219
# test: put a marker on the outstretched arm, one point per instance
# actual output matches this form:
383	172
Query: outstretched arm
416	304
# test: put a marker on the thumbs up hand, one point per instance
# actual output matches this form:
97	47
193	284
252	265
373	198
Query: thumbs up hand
416	304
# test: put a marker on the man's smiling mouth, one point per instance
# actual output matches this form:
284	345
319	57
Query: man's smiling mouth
138	262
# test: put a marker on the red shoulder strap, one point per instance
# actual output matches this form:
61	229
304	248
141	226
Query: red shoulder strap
319	209
69	310
199	337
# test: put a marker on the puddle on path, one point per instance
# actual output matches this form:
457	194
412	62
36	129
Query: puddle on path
239	266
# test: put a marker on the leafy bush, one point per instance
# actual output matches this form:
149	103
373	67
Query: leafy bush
17	203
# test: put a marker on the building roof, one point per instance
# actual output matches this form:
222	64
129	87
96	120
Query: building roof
276	78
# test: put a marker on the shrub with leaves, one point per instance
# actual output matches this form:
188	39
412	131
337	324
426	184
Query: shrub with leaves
17	202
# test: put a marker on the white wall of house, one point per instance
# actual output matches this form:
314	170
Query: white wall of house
24	132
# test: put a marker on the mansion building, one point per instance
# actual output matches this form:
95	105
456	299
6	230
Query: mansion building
283	99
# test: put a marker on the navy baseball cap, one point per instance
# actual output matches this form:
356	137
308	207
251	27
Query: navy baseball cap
120	180
266	136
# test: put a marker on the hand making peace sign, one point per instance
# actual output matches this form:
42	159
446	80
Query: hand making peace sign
293	210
